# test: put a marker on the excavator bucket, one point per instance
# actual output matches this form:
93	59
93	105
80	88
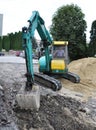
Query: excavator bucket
29	99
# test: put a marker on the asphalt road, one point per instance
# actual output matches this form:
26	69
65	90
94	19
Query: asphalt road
14	59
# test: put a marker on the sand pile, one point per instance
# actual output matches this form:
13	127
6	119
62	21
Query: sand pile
86	69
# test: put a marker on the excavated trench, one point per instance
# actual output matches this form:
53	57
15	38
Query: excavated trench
67	109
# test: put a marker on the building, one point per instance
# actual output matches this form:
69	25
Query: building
1	24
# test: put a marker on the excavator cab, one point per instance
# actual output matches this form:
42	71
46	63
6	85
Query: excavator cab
60	57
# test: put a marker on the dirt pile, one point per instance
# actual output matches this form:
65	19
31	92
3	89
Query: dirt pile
56	113
86	69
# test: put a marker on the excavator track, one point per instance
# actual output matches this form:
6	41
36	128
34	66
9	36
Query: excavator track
47	81
72	77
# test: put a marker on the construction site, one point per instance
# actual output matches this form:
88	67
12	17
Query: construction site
73	107
47	93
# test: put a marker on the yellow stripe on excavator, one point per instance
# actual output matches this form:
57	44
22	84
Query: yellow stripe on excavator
60	42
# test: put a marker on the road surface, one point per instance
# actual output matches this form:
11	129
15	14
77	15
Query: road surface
14	59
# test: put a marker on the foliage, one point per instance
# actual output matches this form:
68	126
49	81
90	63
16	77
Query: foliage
13	41
6	43
16	41
92	44
0	43
68	24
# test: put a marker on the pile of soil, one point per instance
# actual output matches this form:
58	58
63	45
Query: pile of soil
86	69
58	110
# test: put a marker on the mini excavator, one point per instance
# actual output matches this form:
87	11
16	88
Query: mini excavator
50	65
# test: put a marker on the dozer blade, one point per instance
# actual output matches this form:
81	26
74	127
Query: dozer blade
47	81
29	99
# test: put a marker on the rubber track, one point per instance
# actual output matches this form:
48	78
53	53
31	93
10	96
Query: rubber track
47	81
73	77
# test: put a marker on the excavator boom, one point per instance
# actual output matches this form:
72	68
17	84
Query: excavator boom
37	23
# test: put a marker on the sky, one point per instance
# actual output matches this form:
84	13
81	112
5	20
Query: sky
17	12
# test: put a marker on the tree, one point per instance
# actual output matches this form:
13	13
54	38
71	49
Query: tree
6	43
16	40
0	43
68	24
11	37
92	44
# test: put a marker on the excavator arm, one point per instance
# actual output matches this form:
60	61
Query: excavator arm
36	23
28	57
